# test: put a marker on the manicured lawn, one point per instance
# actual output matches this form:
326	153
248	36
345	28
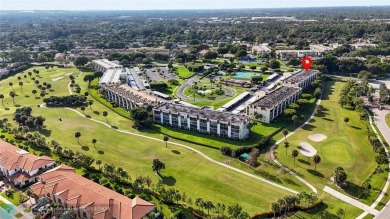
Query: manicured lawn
388	120
346	145
182	71
18	215
189	92
14	199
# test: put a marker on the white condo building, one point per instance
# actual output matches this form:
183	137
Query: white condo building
301	78
272	104
104	64
222	124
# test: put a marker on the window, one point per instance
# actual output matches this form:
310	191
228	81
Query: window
48	194
84	215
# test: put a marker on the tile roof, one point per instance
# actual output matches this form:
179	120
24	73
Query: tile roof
98	200
12	157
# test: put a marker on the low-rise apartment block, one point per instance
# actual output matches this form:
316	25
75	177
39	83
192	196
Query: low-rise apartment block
302	78
19	166
270	105
86	198
104	64
222	124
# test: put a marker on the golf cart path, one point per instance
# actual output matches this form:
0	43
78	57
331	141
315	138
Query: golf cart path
192	149
70	82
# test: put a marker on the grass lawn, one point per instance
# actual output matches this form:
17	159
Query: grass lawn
27	210
182	72
14	199
18	215
346	145
388	120
185	170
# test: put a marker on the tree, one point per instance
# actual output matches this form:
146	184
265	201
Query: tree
35	93
98	162
286	145
2	99
81	61
158	166
294	153
90	103
12	95
274	64
68	214
285	133
316	160
346	120
29	193
12	85
294	118
94	142
42	94
77	135
340	212
166	139
105	114
275	207
82	109
21	86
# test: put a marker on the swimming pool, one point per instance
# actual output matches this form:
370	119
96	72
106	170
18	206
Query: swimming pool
246	74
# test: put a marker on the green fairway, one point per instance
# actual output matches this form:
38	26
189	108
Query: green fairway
182	72
185	170
346	145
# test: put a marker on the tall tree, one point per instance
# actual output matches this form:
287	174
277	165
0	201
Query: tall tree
94	142
105	114
316	160
12	85
77	135
286	145
285	133
166	139
12	95
294	153
2	99
158	166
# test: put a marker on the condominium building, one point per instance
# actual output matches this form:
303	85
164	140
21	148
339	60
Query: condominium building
127	97
301	78
270	105
113	76
104	64
19	166
86	198
222	124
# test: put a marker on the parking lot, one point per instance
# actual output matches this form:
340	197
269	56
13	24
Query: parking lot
159	74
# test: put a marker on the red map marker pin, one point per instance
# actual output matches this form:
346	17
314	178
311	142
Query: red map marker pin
306	63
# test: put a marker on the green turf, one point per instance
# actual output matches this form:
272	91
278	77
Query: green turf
14	199
18	215
182	72
346	145
388	120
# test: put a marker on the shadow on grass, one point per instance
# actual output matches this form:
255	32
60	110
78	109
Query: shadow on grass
327	119
168	180
6	108
96	112
304	162
358	128
352	189
27	96
309	127
17	105
100	152
315	173
175	151
289	181
87	116
114	127
45	132
85	148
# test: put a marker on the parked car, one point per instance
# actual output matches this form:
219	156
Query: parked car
47	215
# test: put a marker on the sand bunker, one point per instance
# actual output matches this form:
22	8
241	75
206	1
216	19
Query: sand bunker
317	137
56	79
307	150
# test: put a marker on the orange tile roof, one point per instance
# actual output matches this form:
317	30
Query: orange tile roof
96	199
12	157
20	177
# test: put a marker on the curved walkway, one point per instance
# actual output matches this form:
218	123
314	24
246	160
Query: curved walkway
70	82
192	149
281	140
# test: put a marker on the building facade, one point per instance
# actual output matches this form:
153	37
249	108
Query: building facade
19	166
270	105
222	124
301	78
104	64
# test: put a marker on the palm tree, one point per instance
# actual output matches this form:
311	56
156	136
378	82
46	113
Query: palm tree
208	205
2	99
346	120
286	145
90	103
158	166
199	202
25	77
294	118
98	162
29	193
35	93
316	160
166	139
29	74
105	114
294	153
13	95
21	86
82	109
12	85
275	207
77	135
285	133
42	94
94	142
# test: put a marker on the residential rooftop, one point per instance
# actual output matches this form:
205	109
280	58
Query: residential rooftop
106	63
112	76
97	200
275	96
12	158
202	113
299	76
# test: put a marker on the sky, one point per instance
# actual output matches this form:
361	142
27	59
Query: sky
175	4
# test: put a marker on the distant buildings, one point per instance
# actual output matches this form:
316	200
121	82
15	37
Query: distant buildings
222	124
261	49
86	198
19	166
356	46
270	105
104	64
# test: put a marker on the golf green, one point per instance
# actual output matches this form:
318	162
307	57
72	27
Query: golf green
337	152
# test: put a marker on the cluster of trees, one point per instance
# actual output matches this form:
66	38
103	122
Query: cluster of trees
24	118
351	93
194	67
66	101
90	77
141	118
290	202
384	94
158	85
340	177
228	151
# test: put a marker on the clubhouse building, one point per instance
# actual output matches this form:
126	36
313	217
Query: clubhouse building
222	124
86	198
272	104
19	166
